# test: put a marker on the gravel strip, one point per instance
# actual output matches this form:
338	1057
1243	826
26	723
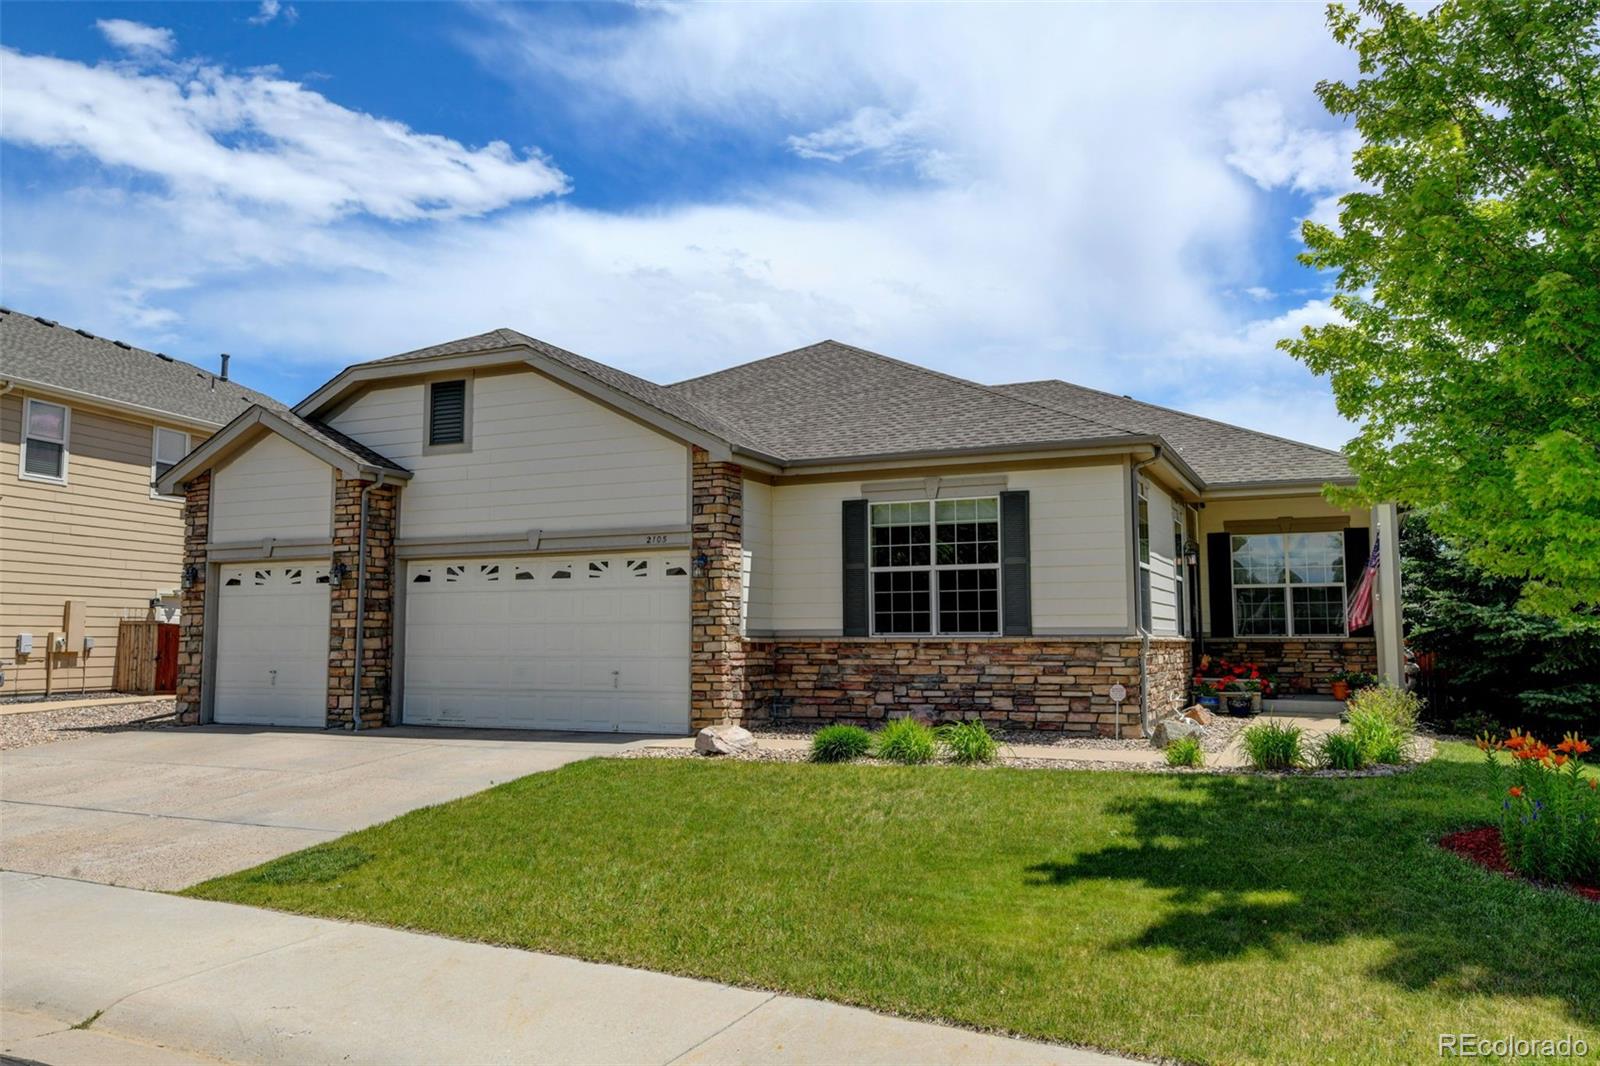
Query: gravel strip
1424	750
1219	734
56	697
47	727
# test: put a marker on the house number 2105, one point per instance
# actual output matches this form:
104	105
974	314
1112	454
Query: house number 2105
655	538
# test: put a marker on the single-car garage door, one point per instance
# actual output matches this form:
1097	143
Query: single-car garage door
272	645
594	643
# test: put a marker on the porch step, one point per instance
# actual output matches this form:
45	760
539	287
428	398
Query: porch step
1303	706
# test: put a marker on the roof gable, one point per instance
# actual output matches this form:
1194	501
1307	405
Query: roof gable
349	456
52	356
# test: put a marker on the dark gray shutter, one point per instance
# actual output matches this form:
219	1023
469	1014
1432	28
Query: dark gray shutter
855	569
447	412
1219	578
1357	546
1015	569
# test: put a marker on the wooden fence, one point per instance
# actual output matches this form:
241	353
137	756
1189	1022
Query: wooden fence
147	657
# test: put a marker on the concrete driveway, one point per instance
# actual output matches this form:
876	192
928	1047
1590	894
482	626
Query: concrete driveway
164	809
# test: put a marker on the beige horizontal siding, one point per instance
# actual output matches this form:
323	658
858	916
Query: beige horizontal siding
272	489
542	457
100	539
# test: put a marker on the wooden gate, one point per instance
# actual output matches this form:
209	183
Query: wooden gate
147	657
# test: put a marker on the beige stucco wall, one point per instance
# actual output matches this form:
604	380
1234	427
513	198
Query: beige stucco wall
272	489
1079	550
542	457
100	538
1217	513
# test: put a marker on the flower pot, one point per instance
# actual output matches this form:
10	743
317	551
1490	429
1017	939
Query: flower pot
1341	690
1239	703
1210	703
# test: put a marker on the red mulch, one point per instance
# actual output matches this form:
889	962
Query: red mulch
1482	846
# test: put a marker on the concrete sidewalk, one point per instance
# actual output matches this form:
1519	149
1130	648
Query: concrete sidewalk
217	981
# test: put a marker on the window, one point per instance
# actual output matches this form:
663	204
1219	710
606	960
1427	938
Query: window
1288	584
447	413
167	447
44	444
1144	557
935	566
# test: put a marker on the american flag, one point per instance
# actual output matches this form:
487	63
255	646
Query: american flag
1361	601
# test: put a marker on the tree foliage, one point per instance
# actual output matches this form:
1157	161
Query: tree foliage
1514	667
1468	281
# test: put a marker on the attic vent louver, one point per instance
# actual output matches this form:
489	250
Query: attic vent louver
447	412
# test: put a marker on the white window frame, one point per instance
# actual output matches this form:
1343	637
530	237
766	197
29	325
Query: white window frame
155	457
65	442
933	570
1287	587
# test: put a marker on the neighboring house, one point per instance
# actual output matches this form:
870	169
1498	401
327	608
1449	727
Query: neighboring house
86	425
548	542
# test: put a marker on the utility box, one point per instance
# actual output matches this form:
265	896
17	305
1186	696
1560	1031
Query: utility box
72	621
24	644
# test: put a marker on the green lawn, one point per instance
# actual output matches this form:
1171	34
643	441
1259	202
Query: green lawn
1206	918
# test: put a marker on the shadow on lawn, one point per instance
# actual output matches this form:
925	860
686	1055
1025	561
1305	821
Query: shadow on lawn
1253	865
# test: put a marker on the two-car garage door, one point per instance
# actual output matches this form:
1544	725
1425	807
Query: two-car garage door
592	643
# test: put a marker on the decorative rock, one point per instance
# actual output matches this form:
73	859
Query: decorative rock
1175	728
1199	714
724	740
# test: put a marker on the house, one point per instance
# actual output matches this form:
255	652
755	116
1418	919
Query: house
533	539
86	425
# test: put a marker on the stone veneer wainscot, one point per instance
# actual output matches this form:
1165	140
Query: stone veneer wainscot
1300	664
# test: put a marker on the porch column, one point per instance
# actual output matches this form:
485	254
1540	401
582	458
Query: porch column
1387	614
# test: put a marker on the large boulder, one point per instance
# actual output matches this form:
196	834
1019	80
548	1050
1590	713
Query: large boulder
1174	729
724	740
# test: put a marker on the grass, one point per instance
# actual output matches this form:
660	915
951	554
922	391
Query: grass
1185	751
1202	918
840	743
905	740
1273	745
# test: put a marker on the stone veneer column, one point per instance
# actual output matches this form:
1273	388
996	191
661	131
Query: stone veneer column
717	651
192	631
377	652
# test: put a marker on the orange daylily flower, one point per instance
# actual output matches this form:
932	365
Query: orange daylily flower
1572	744
1558	760
1516	741
1516	791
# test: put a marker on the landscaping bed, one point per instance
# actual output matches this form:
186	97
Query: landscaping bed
1483	846
1202	918
46	726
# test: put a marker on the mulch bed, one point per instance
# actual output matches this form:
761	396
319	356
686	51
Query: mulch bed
1482	846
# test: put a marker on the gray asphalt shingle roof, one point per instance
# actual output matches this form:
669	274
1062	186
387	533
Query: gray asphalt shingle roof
834	401
1220	453
33	349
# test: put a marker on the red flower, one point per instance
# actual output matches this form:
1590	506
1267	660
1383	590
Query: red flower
1516	791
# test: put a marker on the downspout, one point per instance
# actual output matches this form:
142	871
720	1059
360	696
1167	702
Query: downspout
361	604
1144	634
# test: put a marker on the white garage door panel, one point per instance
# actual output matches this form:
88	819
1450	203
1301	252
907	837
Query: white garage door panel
272	645
593	644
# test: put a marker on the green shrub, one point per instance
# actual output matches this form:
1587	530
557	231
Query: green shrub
840	743
1185	751
1273	746
905	740
1396	706
1341	751
968	742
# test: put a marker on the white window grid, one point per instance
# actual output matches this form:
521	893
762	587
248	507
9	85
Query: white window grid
933	568
1334	592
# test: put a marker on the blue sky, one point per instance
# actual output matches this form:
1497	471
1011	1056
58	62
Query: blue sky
1106	194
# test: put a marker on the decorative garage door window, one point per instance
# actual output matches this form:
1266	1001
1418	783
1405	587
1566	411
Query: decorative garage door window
274	577
936	567
1288	584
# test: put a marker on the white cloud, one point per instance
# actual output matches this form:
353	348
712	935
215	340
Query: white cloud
137	37
271	9
879	133
1068	206
257	139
